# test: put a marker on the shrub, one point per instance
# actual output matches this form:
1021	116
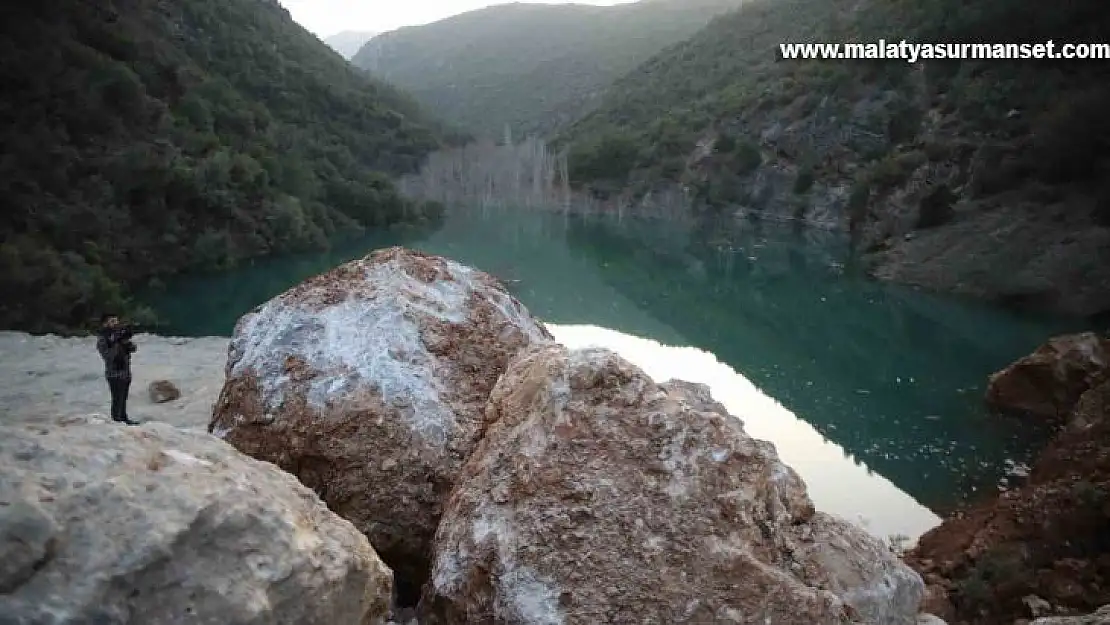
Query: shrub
804	182
1072	139
1002	567
996	171
725	144
904	122
610	157
747	157
858	199
895	169
935	208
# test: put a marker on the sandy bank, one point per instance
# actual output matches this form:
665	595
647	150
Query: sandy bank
45	376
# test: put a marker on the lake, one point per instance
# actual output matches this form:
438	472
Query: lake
872	392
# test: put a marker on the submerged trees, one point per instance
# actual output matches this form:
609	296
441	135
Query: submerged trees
528	175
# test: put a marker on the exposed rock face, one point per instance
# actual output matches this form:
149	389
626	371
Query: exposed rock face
1053	258
1101	617
369	383
1049	538
1048	382
162	391
598	496
153	525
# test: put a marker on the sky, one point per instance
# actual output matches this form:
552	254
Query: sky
328	17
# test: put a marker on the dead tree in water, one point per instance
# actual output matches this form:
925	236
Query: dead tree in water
564	176
525	174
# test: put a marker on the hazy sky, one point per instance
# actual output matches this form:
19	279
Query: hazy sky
327	17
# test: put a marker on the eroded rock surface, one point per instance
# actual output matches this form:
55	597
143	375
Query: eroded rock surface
598	496
369	383
107	524
1048	383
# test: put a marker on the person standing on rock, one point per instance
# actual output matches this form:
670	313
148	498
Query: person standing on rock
115	347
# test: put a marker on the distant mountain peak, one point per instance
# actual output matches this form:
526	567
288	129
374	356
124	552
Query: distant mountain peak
529	66
349	42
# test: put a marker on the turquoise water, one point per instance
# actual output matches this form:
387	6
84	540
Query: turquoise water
888	378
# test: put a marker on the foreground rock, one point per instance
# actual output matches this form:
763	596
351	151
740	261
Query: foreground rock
107	524
1049	538
369	383
162	391
1048	383
598	496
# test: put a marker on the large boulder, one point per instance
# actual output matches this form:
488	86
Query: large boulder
107	524
598	496
369	383
1048	383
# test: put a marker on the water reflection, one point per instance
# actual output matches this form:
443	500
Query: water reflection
893	375
838	483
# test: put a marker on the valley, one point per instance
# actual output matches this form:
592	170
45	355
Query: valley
493	295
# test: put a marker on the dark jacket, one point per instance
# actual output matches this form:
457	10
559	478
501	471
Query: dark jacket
116	355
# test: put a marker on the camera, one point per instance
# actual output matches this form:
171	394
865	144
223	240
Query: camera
122	334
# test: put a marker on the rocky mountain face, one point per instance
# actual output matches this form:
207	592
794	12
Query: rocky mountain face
985	177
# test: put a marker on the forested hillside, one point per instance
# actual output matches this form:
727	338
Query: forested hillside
139	138
987	177
530	66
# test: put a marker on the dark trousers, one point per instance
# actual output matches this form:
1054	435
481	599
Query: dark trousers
119	387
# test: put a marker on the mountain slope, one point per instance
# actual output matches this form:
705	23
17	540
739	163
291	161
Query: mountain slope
531	66
139	138
349	42
931	165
